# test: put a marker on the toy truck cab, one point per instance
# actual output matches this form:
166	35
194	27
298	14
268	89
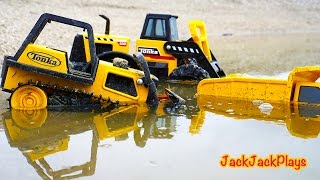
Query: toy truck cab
160	27
157	30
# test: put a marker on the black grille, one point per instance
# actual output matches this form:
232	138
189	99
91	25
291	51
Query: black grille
122	84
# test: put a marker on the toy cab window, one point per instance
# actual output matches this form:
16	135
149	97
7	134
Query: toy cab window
160	28
149	27
309	94
156	28
121	84
174	29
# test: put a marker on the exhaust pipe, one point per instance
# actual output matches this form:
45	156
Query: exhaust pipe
107	30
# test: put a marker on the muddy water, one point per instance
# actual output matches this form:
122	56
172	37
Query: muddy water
174	143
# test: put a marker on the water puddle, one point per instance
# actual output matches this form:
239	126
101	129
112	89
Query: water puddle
187	142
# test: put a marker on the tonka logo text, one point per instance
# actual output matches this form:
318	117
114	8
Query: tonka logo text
153	51
43	59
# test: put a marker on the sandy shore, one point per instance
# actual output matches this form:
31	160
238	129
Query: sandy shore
238	17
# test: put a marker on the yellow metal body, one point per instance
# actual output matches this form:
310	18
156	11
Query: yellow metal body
43	57
199	35
267	89
163	56
244	88
98	88
54	60
118	43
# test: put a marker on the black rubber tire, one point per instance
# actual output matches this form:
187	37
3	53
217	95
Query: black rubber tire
189	72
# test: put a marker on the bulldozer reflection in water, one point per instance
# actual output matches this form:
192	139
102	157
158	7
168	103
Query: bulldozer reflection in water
40	133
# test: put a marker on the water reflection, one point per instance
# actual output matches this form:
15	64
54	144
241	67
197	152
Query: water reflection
301	120
42	134
38	134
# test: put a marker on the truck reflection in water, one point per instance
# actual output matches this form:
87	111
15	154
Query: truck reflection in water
301	120
40	133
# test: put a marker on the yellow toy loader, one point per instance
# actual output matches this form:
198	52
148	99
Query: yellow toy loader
40	76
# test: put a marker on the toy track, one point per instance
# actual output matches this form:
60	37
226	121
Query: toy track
65	96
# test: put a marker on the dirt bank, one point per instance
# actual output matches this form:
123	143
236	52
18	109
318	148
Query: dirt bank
238	17
244	20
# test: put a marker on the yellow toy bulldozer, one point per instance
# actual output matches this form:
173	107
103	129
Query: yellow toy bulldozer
40	76
107	46
167	56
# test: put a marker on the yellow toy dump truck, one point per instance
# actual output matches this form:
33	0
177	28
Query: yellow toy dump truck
40	76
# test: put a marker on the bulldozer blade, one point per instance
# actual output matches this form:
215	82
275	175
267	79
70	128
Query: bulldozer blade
190	49
301	86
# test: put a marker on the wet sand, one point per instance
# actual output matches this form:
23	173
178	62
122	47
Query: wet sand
236	17
267	54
